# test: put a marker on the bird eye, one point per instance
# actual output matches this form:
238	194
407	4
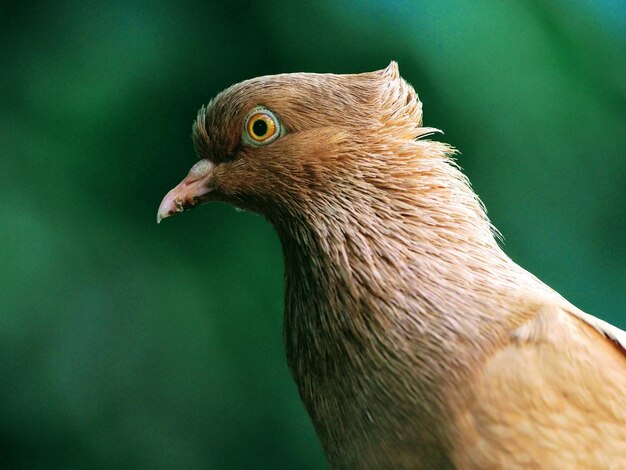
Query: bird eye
261	127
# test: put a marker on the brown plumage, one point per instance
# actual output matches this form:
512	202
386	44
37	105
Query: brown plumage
414	340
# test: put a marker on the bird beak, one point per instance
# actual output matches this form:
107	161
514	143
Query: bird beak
193	190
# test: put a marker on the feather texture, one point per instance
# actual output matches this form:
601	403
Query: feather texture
414	340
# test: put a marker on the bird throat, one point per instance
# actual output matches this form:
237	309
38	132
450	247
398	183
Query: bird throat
369	287
363	331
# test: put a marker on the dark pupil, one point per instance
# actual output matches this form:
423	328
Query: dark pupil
259	128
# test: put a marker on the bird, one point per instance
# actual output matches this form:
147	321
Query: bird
414	340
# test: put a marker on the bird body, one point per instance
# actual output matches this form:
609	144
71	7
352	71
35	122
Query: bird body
415	341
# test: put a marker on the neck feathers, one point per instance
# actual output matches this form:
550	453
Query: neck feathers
394	249
382	286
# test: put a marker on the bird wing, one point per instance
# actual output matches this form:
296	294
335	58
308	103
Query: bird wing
609	331
552	396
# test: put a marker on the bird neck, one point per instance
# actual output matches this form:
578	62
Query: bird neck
362	265
379	247
383	287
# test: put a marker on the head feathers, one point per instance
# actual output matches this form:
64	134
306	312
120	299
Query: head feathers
349	147
401	106
379	101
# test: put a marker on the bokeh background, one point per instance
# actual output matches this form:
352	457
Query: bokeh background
124	344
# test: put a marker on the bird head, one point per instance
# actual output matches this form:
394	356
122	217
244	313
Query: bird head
277	143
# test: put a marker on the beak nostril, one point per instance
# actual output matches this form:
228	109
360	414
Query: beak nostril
201	168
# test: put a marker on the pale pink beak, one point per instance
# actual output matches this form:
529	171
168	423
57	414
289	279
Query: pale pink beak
190	192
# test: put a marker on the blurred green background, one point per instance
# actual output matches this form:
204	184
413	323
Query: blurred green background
127	344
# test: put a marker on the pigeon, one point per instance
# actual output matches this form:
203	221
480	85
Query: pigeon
414	340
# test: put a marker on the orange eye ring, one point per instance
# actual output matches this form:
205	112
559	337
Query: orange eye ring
261	127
